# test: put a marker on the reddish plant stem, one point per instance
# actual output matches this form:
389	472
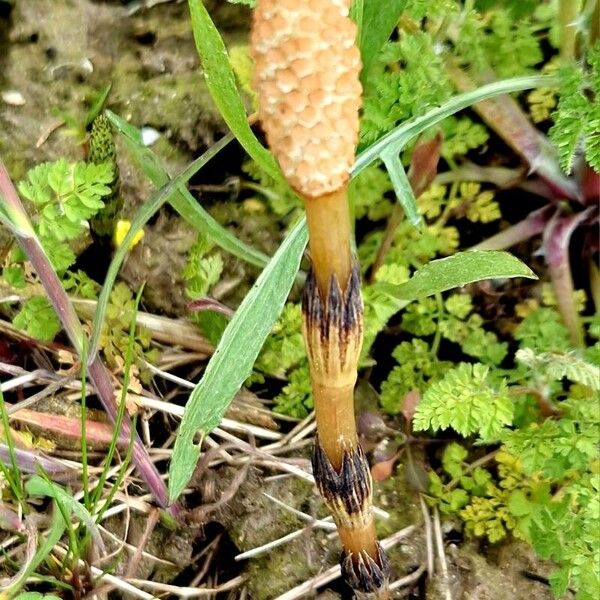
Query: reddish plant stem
557	237
504	116
17	219
531	225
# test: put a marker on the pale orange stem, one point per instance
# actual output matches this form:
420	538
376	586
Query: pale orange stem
328	219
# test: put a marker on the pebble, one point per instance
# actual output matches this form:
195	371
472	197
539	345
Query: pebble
13	98
149	135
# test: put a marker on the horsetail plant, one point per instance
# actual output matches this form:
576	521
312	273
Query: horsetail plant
307	77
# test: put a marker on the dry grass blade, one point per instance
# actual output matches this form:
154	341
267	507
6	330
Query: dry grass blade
189	592
439	542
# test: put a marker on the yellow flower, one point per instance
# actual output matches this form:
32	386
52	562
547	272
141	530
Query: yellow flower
121	229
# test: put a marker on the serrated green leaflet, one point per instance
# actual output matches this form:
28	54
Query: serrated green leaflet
455	271
232	362
220	80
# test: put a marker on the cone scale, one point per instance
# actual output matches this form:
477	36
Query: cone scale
307	79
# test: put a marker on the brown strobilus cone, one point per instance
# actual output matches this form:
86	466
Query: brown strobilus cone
307	77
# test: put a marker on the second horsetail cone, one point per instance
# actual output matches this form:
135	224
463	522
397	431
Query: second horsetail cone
307	79
102	150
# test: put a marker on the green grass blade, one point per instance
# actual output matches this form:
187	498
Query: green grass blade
53	537
402	187
455	271
40	486
13	476
221	84
395	140
85	477
96	107
232	362
145	213
376	20
181	200
120	415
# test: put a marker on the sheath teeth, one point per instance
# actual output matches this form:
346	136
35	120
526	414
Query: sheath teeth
347	493
366	575
333	329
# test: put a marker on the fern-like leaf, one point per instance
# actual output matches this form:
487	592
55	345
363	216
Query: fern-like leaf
465	401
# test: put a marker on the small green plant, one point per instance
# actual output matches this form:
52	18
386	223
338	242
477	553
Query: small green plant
77	521
544	486
64	197
69	199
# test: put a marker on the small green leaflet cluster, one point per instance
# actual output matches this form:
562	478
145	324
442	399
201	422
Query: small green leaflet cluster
418	365
547	496
64	197
283	357
577	118
489	506
114	338
406	79
496	39
203	269
409	76
38	319
465	401
281	199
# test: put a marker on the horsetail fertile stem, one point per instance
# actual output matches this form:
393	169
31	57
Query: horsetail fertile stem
307	77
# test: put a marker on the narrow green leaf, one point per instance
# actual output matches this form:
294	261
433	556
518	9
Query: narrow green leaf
148	209
220	80
395	140
96	107
38	486
232	362
53	537
181	200
402	187
376	20
455	271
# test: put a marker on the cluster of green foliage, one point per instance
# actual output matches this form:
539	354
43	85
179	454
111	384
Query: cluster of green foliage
203	269
67	201
578	112
544	488
543	492
64	197
114	338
